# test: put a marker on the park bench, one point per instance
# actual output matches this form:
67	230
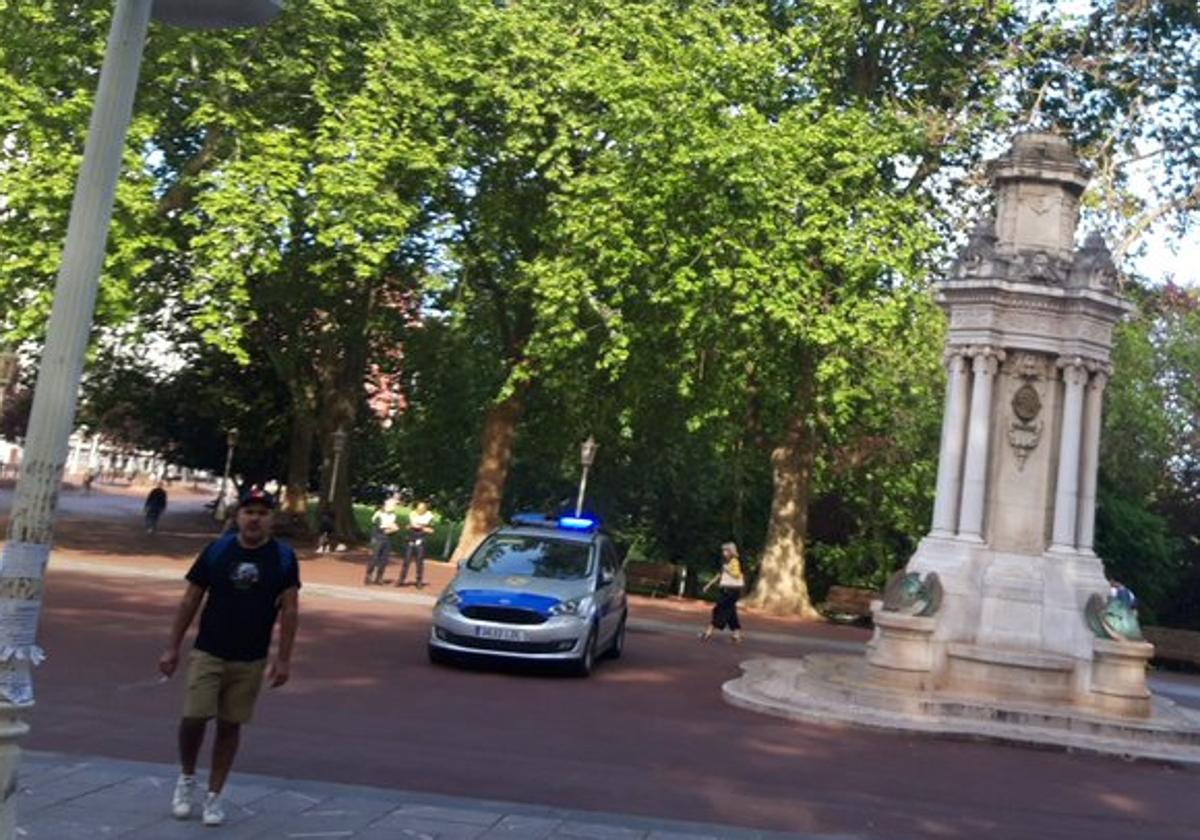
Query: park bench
1174	648
650	578
848	603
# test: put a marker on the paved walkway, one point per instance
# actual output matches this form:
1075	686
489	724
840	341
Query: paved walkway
68	798
65	797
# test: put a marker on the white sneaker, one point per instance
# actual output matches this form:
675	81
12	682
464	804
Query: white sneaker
214	814
181	802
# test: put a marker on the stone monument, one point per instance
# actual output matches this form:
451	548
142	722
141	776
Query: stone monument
1003	622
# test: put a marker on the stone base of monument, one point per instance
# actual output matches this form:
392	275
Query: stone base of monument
1030	676
1119	678
846	689
901	650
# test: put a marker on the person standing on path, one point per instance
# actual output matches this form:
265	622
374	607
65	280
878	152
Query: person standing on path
325	532
156	503
383	526
732	582
420	526
246	580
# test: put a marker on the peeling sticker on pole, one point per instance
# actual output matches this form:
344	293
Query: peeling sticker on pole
16	682
24	560
22	569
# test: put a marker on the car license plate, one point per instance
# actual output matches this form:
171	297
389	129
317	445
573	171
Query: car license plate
500	633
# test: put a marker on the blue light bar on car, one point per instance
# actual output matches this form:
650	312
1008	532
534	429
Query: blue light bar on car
576	523
532	519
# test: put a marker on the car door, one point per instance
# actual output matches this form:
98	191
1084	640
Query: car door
608	591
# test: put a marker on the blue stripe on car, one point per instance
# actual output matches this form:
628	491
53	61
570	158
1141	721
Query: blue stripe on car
506	598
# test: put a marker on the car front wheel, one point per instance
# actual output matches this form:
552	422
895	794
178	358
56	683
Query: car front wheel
617	646
582	666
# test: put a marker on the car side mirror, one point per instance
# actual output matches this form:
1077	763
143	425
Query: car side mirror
606	578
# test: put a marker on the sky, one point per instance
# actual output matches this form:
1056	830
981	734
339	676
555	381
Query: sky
1163	255
1166	260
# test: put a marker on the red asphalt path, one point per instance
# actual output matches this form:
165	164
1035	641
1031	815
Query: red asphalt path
648	735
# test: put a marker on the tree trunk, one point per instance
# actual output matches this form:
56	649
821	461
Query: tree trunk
295	502
342	506
781	588
499	432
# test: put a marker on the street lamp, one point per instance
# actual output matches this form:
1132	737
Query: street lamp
230	444
339	444
27	549
587	456
216	14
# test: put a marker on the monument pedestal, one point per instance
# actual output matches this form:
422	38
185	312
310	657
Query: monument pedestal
902	650
986	671
1003	623
1119	678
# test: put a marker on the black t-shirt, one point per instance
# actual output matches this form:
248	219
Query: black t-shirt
243	585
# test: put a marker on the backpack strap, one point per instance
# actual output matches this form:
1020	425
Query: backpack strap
218	549
287	557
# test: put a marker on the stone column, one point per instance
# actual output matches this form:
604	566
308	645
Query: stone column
1066	494
979	433
1092	419
954	438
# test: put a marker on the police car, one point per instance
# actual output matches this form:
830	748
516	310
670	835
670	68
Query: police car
538	589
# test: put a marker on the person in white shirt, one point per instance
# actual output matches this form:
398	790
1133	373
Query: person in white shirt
383	525
420	526
732	582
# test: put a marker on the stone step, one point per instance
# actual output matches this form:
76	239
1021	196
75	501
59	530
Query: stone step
830	688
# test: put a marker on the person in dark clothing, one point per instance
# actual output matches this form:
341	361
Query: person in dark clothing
325	532
156	503
246	580
732	582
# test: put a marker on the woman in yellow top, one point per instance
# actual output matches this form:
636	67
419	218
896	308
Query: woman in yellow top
732	582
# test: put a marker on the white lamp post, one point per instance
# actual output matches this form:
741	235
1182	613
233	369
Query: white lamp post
587	456
27	549
230	444
339	444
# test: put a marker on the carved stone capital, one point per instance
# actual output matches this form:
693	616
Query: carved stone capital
1074	369
1100	377
955	359
986	360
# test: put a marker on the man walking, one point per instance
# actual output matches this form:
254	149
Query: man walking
250	579
156	503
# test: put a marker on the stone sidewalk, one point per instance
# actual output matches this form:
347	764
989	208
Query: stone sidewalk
61	797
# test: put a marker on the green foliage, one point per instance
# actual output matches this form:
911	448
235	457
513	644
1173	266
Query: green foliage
1139	550
49	59
688	228
1150	455
185	415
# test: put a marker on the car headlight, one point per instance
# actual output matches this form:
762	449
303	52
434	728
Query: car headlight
449	598
576	606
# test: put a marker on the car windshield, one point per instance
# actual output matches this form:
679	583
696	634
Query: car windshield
532	556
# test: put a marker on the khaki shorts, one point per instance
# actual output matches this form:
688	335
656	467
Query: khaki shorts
222	688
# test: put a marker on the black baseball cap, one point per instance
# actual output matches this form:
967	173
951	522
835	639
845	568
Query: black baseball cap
257	496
